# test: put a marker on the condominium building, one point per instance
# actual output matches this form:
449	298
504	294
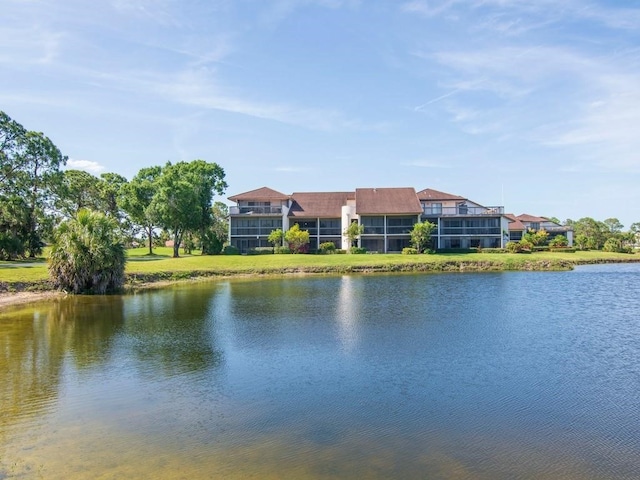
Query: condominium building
387	215
519	225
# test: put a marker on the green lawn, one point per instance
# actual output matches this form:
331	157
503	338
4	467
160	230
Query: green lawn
163	265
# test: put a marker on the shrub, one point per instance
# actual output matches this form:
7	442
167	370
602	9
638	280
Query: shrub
559	241
87	255
519	247
358	250
340	251
493	250
11	247
540	248
327	247
231	250
409	251
562	249
614	244
281	250
297	239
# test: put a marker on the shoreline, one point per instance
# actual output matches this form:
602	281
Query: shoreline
22	293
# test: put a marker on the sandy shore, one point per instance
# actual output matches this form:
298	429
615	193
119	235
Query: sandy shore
19	298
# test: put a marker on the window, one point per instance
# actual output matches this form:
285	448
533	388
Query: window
308	225
373	225
330	226
399	225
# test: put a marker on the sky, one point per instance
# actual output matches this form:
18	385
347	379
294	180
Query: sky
534	105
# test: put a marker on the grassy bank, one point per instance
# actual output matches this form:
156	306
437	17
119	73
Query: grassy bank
143	268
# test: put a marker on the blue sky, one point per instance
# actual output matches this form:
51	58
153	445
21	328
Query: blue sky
530	104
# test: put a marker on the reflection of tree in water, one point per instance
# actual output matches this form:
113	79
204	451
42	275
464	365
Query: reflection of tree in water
170	330
35	341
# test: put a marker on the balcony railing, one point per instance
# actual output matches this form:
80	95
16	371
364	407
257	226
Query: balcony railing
462	210
255	210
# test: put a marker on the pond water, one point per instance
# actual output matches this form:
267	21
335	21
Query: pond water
457	376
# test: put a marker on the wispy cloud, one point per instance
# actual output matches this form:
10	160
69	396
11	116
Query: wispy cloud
86	165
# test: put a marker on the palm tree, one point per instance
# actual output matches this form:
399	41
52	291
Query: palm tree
87	255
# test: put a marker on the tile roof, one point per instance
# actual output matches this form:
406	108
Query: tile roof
387	201
431	194
319	204
264	193
514	223
531	218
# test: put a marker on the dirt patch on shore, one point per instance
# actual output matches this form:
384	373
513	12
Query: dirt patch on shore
19	298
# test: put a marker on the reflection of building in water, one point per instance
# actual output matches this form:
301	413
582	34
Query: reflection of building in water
349	311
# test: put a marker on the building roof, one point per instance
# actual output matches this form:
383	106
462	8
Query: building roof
525	217
319	204
260	194
431	194
514	223
387	201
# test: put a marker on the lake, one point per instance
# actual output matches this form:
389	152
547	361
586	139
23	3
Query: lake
514	375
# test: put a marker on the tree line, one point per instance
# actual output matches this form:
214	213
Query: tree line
37	195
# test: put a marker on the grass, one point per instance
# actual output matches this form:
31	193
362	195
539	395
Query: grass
142	267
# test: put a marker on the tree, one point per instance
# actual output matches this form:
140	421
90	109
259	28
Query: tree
13	223
634	230
276	237
613	224
12	145
87	255
216	235
77	190
297	239
136	198
596	232
353	232
111	191
183	198
421	235
29	168
614	244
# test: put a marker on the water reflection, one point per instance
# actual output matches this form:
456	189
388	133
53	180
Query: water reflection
348	310
36	342
515	375
172	330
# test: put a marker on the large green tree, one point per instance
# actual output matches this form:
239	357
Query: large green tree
184	197
596	233
87	255
77	190
29	169
216	235
136	198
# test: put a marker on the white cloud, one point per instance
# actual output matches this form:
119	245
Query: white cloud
86	165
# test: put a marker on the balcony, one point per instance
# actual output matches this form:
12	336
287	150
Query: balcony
255	210
461	210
